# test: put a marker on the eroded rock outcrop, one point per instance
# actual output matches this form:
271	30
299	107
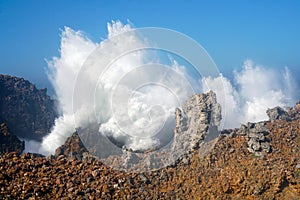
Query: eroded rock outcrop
27	111
258	142
197	122
278	113
9	142
294	112
73	148
195	125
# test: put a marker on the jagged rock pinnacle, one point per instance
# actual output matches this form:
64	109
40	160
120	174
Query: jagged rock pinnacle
200	117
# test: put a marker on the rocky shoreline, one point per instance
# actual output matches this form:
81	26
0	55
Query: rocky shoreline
228	171
256	161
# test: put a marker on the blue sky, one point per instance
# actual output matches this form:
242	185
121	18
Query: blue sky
267	32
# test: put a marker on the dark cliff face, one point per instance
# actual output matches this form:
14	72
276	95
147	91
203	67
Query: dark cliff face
9	142
28	111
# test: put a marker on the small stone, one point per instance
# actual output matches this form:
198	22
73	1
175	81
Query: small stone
88	190
130	181
258	136
258	190
144	179
185	160
95	173
266	147
58	181
258	154
89	179
254	144
70	189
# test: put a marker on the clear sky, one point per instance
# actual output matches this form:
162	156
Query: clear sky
268	32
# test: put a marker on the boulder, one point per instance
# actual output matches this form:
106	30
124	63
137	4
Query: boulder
278	113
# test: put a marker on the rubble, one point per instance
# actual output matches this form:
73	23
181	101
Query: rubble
256	134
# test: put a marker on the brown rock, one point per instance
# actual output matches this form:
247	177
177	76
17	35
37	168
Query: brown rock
73	148
9	142
28	112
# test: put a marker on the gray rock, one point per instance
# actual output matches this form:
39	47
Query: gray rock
254	144
242	131
196	122
130	181
266	147
278	113
195	125
250	150
256	135
129	158
89	179
144	178
185	160
258	154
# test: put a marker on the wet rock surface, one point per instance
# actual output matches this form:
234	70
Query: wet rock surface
27	111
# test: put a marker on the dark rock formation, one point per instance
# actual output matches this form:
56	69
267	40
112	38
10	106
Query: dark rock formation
73	148
96	143
27	111
9	142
